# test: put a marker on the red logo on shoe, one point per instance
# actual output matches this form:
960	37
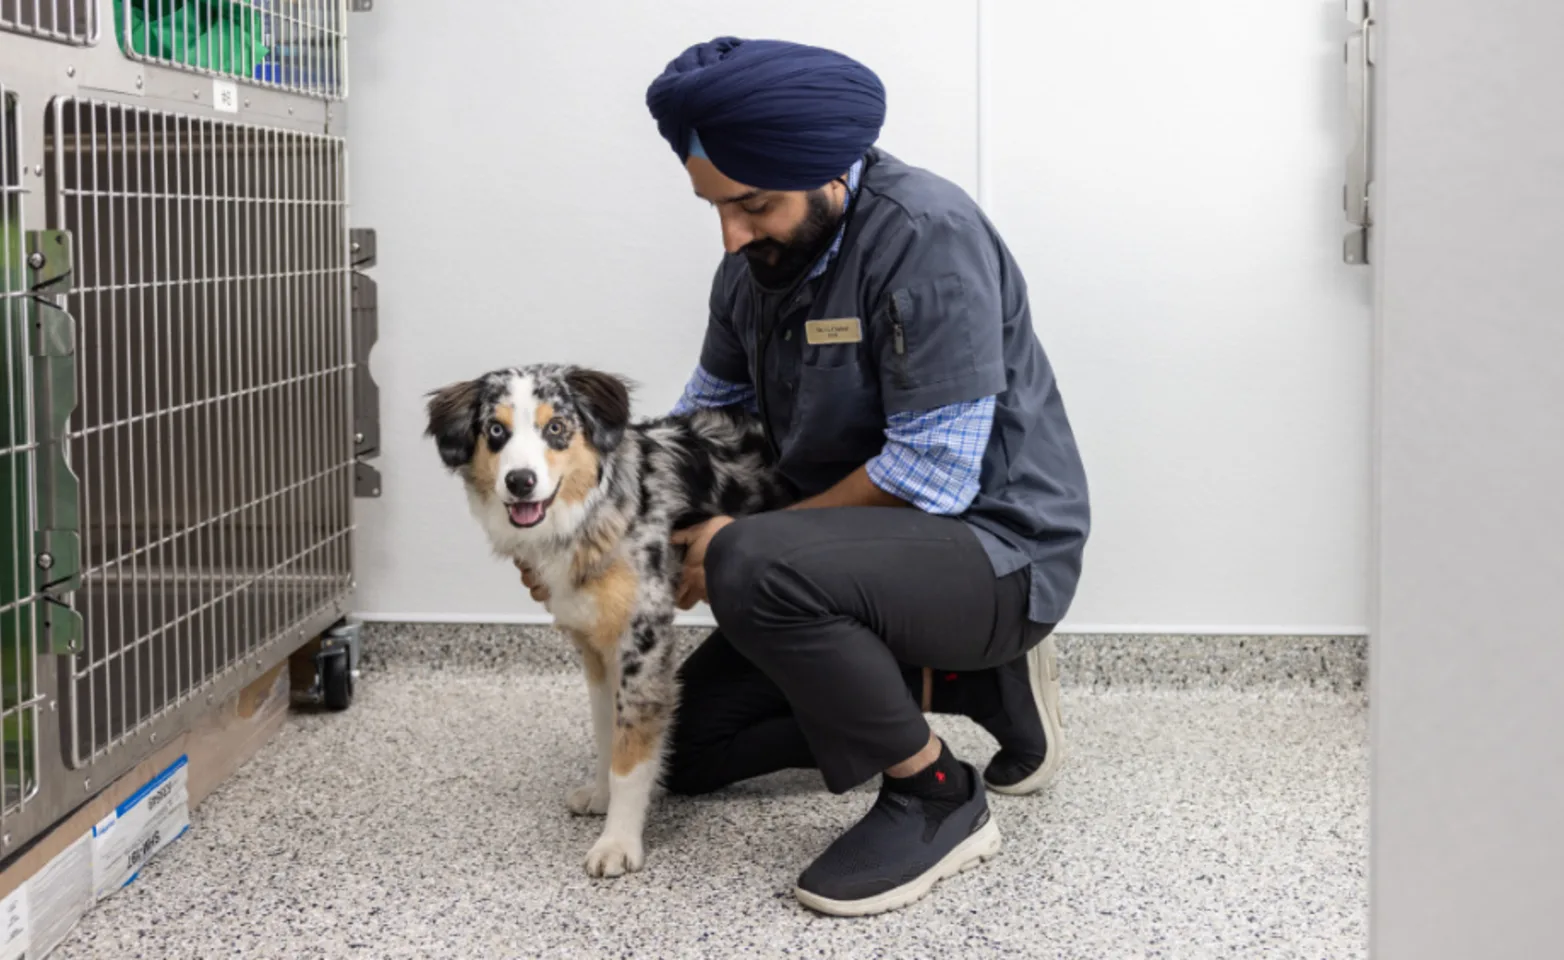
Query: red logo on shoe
950	676
939	775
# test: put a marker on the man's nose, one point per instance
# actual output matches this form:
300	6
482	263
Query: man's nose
735	234
521	482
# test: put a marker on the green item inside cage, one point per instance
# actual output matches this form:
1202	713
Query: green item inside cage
17	627
223	36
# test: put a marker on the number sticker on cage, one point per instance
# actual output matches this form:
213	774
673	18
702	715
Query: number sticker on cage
225	96
151	819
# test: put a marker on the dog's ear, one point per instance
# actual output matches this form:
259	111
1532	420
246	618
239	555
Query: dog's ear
604	401
453	422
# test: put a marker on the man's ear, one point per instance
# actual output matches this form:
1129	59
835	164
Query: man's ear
453	422
604	400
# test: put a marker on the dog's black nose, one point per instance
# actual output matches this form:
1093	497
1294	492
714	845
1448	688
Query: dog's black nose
521	482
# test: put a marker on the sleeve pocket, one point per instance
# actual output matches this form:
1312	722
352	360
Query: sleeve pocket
927	344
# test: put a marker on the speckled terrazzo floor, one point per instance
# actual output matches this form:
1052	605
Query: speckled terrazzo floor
1215	818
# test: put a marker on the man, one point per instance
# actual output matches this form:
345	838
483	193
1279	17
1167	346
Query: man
871	315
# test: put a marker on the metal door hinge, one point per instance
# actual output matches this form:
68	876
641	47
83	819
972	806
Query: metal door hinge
361	248
362	6
366	393
1357	194
52	345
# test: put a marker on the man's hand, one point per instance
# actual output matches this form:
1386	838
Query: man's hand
692	582
530	580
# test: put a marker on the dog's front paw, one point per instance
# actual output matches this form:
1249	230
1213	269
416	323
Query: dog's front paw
613	856
588	799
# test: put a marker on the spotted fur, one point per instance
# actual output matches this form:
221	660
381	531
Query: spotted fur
613	491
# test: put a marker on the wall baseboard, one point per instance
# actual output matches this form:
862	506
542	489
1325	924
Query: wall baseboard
1100	661
1068	629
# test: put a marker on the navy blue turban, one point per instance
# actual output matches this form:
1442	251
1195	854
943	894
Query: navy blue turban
769	114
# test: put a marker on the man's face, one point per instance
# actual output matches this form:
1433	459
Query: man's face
780	232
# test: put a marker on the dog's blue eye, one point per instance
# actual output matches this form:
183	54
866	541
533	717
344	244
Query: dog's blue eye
497	431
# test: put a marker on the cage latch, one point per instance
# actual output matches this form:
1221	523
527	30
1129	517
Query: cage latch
57	539
48	262
1357	193
366	394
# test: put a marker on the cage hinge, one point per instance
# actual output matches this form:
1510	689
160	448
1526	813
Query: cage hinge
52	345
361	247
366	393
1358	191
361	6
366	480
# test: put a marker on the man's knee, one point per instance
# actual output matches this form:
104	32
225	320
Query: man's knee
736	559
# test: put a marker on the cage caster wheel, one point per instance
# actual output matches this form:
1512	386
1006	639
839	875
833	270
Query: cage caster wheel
336	680
325	672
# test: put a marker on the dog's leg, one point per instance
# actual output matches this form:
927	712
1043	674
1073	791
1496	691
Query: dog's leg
592	798
644	706
637	764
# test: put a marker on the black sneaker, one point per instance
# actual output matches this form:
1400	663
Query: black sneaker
1018	704
897	853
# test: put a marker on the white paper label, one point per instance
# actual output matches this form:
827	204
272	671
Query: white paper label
13	925
58	896
225	96
151	819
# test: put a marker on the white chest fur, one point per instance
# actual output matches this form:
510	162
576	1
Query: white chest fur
572	608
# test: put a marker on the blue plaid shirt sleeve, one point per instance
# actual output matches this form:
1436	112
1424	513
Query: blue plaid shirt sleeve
933	458
705	390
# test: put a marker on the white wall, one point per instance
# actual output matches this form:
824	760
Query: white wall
527	210
1170	183
1468	651
1169	176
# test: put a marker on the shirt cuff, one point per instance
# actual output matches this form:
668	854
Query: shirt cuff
933	459
707	391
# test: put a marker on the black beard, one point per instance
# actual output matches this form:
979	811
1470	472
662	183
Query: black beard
800	251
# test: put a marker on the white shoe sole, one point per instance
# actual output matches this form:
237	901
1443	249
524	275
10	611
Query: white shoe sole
1042	667
982	845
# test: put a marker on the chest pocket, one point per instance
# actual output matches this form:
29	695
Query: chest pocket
837	421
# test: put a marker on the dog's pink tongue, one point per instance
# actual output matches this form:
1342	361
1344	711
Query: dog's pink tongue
526	514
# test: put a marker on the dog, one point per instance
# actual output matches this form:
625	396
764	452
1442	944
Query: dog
562	481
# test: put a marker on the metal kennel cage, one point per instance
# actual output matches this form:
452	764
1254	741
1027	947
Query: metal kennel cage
188	406
72	21
19	721
294	45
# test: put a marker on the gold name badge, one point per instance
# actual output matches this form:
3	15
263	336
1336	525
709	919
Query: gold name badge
839	330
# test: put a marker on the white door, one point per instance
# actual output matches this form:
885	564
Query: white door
1467	670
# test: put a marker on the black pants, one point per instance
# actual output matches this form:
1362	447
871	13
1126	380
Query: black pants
818	613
